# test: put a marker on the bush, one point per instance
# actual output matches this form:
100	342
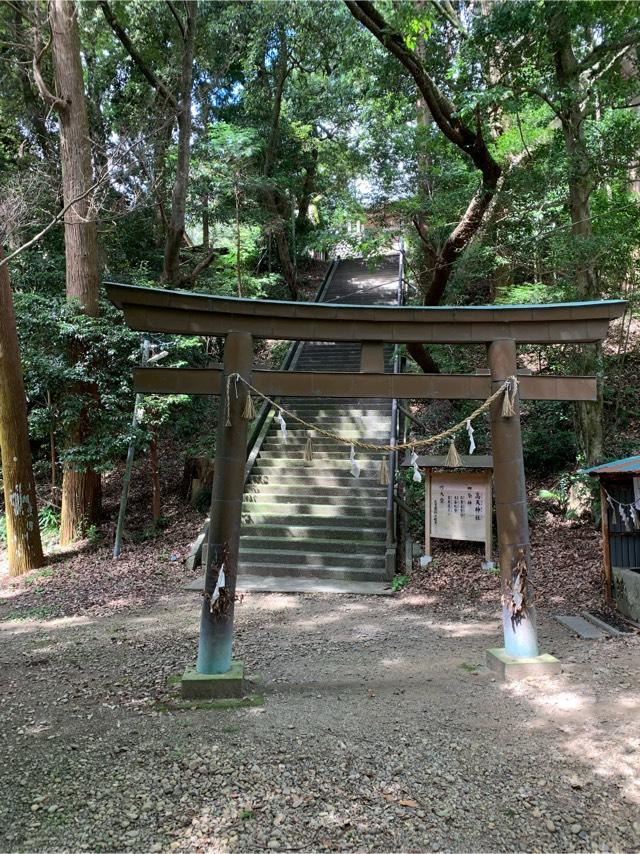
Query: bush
548	436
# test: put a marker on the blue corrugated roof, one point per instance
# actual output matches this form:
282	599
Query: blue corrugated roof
629	465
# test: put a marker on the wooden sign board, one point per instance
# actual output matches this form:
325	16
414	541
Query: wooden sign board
459	506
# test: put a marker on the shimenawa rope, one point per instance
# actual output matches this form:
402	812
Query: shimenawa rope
509	388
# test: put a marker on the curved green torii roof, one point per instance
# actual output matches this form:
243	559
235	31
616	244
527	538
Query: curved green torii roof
187	313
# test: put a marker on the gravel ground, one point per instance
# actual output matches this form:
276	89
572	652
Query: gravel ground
380	730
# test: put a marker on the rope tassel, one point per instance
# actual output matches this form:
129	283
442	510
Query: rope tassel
249	411
417	474
470	432
509	399
220	583
308	451
453	457
384	472
282	424
355	465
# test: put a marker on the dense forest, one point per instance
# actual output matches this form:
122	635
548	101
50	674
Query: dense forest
232	148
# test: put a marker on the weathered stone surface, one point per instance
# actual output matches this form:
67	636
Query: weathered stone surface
204	686
581	627
510	669
626	589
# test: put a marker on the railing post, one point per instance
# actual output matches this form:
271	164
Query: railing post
391	544
216	627
520	639
131	451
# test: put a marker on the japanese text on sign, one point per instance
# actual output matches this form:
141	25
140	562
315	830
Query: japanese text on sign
458	508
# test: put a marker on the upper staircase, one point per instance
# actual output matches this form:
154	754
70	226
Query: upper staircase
315	521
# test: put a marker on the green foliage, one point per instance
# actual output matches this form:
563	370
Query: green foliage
399	582
548	436
48	519
37	613
60	386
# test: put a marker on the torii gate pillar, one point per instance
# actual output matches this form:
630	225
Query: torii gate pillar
216	675
520	638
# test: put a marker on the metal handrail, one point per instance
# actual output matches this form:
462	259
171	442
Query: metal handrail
266	412
393	434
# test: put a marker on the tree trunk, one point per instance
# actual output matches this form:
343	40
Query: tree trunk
238	242
282	247
206	241
311	170
80	488
175	228
161	142
581	181
24	548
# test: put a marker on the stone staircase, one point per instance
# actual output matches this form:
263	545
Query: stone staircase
315	521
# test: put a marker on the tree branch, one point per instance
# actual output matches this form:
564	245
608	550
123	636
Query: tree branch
441	109
174	12
57	218
18	7
135	55
445	115
544	97
202	265
448	13
45	93
631	37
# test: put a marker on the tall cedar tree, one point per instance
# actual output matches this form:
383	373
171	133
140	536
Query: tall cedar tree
81	492
24	549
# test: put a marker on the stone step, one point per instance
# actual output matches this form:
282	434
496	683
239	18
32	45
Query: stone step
335	545
373	508
350	573
336	409
291	454
314	532
298	442
334	422
314	523
370	436
310	481
309	351
284	467
375	521
302	557
329	493
351	402
580	626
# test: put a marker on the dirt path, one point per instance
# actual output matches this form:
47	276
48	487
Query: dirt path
380	730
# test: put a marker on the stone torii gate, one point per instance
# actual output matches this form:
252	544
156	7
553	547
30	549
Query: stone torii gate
500	328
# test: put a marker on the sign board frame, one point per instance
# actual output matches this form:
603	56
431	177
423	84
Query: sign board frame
483	478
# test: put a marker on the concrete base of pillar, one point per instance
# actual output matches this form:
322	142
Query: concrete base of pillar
214	686
510	669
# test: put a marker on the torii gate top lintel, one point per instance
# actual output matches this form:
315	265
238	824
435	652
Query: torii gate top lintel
180	312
